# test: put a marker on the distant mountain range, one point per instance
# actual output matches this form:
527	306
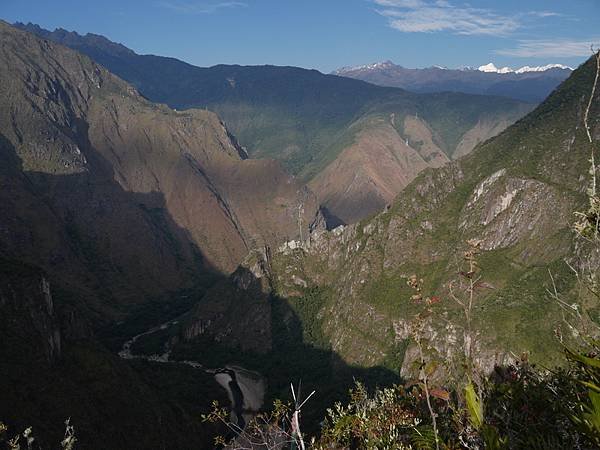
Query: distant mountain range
121	219
355	144
491	67
531	84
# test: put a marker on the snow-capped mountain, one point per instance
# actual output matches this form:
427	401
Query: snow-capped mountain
527	83
490	67
542	68
366	67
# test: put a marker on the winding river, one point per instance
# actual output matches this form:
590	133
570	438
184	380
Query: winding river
245	388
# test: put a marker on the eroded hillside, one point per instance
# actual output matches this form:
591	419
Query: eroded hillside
322	128
515	195
66	117
115	213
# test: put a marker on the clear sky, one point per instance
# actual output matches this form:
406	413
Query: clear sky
327	34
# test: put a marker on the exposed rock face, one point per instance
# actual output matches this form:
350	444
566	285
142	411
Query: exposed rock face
30	329
515	195
89	140
236	312
356	143
512	210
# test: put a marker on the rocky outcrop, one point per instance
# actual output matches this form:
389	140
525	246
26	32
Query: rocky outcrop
237	311
30	329
513	210
515	196
148	196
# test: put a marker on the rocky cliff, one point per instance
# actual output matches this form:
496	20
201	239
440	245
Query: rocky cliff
515	196
32	331
117	171
115	213
356	143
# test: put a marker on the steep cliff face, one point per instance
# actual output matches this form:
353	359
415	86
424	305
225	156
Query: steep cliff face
237	311
30	330
356	143
114	209
515	195
100	156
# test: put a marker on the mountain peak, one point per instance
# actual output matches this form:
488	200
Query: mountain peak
491	68
367	67
488	68
75	40
542	68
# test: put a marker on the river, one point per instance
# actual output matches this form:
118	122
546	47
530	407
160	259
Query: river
245	389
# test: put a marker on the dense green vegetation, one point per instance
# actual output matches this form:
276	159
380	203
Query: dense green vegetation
518	407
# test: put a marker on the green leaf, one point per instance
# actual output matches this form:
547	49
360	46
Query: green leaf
474	406
592	362
590	385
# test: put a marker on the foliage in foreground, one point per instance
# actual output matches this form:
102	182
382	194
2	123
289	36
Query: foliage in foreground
519	407
26	439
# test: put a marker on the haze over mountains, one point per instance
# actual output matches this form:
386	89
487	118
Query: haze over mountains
515	194
531	84
315	124
196	235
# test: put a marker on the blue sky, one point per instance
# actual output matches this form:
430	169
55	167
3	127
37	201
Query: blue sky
327	34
